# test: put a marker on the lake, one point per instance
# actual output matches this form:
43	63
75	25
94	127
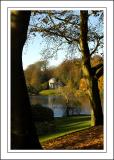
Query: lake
57	104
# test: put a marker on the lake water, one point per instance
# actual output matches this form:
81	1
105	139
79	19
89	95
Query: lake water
56	103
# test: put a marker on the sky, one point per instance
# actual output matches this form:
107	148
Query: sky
33	48
31	53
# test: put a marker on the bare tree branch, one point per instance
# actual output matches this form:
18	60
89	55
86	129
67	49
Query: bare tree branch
98	38
99	73
52	32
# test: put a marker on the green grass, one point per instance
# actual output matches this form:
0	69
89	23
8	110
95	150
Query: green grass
48	92
67	125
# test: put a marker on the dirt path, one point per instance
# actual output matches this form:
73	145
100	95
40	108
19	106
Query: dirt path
91	138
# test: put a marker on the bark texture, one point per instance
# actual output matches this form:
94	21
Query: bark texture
23	133
89	72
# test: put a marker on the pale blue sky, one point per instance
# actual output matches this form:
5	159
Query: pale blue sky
31	53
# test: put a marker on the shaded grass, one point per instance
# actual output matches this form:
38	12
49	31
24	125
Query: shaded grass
66	125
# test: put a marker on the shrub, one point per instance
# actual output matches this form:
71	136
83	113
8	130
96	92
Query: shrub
31	90
42	114
44	128
39	88
45	86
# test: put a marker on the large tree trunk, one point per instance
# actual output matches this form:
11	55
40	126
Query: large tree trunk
23	133
96	102
89	72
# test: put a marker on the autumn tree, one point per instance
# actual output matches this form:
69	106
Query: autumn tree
36	74
68	93
74	30
66	71
23	132
92	73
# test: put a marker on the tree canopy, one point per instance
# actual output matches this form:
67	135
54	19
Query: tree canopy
62	29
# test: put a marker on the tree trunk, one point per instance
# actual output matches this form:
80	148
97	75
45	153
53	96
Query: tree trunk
23	132
96	102
88	71
67	111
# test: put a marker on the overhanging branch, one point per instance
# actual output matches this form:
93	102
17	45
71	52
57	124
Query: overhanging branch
52	32
97	67
99	73
97	44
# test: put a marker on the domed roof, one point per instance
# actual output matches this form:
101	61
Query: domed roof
52	80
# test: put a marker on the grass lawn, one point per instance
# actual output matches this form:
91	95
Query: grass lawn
48	92
67	125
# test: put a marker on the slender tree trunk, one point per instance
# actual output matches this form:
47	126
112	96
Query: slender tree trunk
67	111
23	133
88	72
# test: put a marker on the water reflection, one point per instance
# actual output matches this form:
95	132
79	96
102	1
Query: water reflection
56	103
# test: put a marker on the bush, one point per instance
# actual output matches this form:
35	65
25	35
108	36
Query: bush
45	86
39	88
31	90
42	114
44	128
